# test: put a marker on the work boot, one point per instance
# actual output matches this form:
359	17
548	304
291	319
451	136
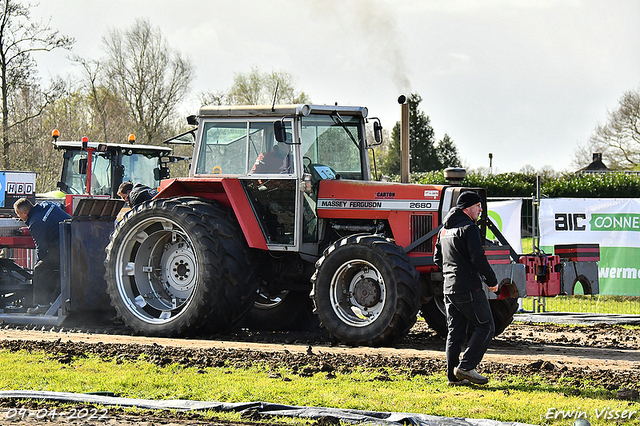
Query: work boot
463	382
38	310
471	375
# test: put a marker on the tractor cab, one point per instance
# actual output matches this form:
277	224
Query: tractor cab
274	152
99	168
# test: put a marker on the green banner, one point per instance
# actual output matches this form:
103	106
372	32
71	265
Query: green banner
615	222
618	270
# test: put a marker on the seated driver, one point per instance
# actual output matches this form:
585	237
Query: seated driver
277	160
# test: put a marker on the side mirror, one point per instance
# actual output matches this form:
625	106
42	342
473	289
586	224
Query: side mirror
160	173
280	131
192	120
377	131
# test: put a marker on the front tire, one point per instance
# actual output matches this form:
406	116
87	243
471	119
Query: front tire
175	266
366	291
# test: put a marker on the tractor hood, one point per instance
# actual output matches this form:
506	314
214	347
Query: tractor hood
374	200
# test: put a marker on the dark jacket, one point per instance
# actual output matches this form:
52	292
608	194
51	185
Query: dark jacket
141	193
43	220
460	255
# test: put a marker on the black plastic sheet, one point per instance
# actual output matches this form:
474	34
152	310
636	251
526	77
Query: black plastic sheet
261	408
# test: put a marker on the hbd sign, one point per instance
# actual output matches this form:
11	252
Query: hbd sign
15	185
20	188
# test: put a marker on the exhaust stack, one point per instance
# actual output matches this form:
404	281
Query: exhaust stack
404	139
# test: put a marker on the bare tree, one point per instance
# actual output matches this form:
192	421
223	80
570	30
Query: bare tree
151	77
92	70
282	84
212	98
108	109
247	89
19	38
258	88
31	148
619	139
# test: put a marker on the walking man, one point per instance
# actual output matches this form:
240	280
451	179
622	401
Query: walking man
43	221
460	255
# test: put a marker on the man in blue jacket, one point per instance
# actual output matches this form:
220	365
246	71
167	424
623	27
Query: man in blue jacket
42	220
460	254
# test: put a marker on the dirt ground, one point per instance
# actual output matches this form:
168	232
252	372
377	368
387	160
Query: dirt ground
604	354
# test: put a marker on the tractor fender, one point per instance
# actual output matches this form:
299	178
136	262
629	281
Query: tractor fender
229	192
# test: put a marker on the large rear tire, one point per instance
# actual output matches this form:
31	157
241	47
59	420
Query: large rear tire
175	266
366	291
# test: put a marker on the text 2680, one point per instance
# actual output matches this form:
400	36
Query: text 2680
419	205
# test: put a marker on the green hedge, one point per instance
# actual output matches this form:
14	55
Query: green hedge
592	185
596	185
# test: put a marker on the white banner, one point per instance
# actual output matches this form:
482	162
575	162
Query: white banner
506	215
612	223
607	221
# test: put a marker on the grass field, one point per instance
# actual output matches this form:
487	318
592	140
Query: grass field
522	399
597	304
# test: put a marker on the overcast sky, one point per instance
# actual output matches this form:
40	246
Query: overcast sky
526	80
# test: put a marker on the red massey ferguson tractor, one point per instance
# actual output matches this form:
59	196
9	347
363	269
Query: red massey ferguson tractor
279	220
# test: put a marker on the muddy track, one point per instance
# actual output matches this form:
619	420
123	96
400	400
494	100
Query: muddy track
601	355
522	347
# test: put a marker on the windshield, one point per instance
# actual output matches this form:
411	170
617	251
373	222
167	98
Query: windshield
223	149
333	141
139	168
74	173
239	148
